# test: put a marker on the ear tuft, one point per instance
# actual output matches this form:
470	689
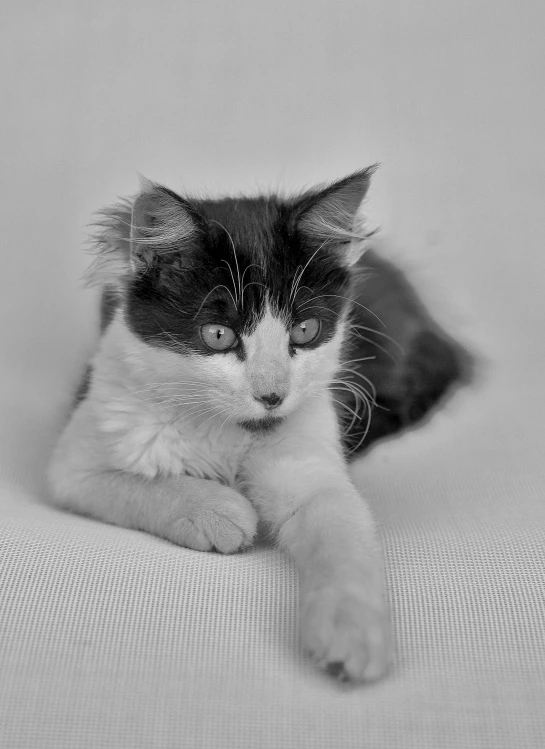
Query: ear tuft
129	235
161	222
110	243
330	215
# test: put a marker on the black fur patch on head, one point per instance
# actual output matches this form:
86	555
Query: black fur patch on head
247	252
176	264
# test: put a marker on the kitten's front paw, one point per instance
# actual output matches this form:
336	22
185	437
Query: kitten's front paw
344	634
220	519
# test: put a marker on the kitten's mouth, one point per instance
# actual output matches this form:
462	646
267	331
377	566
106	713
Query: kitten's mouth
266	424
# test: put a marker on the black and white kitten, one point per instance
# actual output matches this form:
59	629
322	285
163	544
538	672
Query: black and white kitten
249	347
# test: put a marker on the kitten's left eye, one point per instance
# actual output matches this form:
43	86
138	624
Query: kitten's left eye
305	332
218	337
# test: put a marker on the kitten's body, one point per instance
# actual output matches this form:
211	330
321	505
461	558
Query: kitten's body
178	436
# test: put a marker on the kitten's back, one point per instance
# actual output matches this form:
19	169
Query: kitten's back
397	353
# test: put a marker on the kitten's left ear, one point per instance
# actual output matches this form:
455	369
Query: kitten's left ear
330	216
161	222
129	235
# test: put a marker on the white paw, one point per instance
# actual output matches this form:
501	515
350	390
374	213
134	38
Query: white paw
344	634
220	519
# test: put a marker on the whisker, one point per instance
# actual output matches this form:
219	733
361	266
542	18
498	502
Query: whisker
170	335
230	412
252	283
357	391
174	398
344	405
223	410
316	306
353	386
354	302
374	343
293	281
244	287
235	255
191	414
364	435
362	358
298	281
223	260
181	388
363	377
175	306
176	382
193	391
378	332
219	286
300	288
174	402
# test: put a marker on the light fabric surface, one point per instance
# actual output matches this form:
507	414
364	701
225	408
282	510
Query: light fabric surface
113	638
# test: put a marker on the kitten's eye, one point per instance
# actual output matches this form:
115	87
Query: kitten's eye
218	337
305	332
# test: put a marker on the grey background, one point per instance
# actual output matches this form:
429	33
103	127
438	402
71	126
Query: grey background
221	96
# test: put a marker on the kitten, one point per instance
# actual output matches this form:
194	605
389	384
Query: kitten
242	362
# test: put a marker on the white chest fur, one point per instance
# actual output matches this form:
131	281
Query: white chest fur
140	431
153	441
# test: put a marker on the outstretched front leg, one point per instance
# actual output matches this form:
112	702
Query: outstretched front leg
301	487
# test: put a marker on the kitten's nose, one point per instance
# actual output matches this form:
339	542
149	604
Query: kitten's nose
272	400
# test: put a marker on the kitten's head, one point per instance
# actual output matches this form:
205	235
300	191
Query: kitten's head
242	299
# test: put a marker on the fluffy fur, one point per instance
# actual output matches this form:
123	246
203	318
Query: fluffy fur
195	443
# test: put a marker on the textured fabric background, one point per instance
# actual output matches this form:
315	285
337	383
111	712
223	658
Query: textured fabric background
113	638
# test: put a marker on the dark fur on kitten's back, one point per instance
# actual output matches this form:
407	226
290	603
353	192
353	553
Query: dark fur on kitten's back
408	362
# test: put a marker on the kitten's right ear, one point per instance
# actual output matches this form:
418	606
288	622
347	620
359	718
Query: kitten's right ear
130	235
331	215
161	223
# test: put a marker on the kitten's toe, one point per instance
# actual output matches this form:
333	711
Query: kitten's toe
346	636
231	524
225	521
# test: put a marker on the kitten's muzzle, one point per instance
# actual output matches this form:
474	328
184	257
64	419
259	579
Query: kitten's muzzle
270	401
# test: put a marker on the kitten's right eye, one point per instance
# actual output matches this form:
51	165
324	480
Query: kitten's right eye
218	337
305	332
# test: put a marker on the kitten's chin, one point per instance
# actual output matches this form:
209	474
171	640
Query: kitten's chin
266	424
